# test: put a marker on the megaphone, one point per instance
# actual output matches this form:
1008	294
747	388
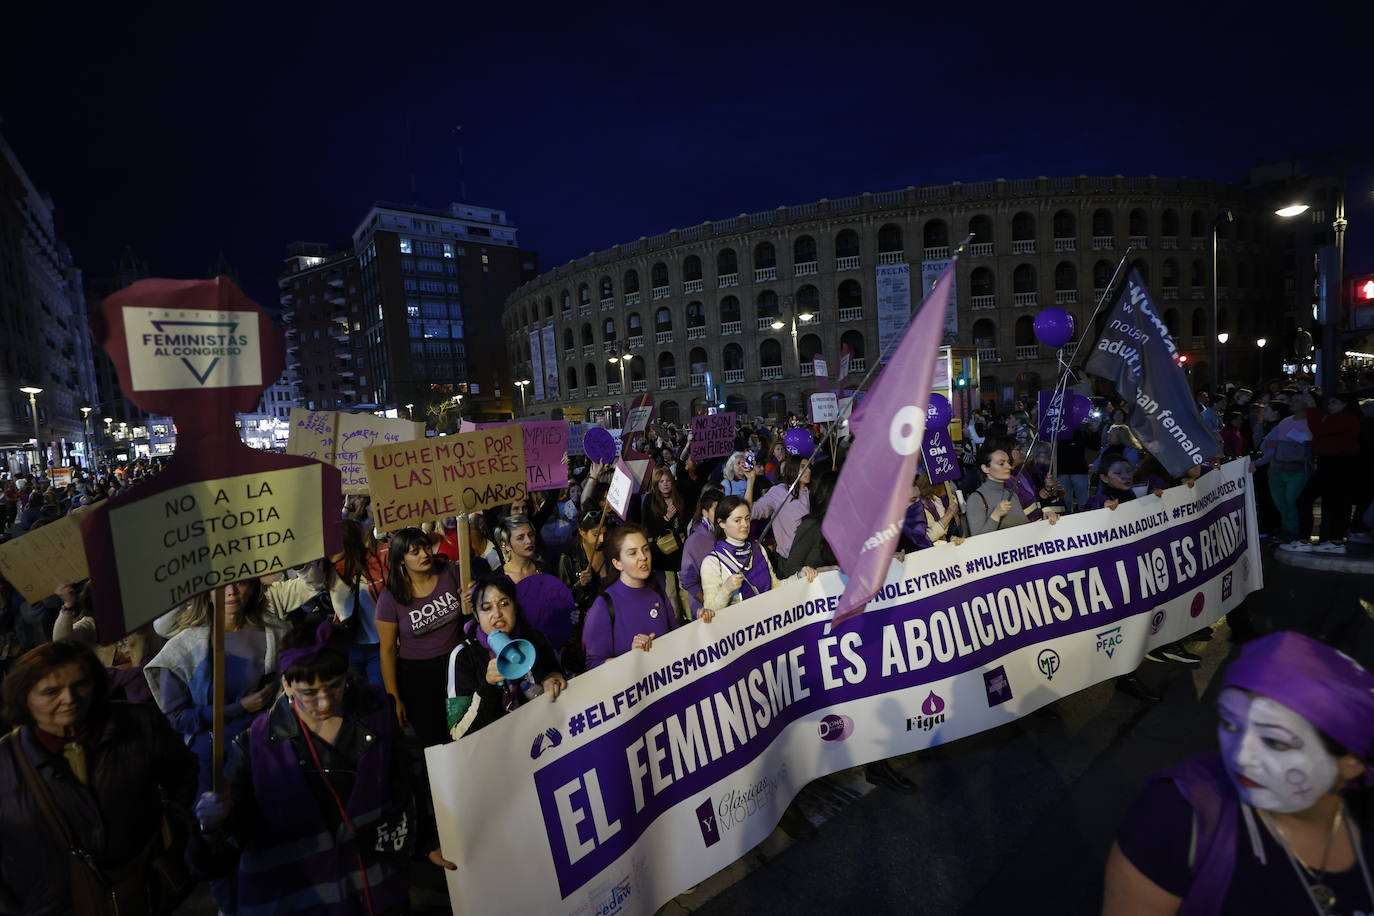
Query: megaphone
514	657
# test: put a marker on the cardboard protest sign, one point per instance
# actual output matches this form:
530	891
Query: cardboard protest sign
358	431
576	414
312	434
622	488
713	435
576	433
545	445
825	406
60	477
942	462
430	479
45	557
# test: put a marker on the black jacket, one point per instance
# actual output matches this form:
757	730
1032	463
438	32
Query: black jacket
468	678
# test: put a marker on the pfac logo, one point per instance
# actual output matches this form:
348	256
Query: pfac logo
1109	640
836	728
932	714
550	737
1048	662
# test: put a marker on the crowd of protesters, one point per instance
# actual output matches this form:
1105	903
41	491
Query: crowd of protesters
337	673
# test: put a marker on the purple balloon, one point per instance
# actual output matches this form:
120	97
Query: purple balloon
600	445
1054	327
798	442
1077	408
938	413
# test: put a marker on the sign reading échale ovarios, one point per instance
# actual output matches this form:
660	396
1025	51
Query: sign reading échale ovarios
430	479
172	348
215	532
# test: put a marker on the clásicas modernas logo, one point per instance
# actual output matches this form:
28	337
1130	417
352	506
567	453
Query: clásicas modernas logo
192	348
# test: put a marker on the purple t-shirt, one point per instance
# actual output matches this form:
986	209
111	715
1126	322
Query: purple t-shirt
1155	835
431	625
637	610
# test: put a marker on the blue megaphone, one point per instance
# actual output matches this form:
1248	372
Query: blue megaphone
514	657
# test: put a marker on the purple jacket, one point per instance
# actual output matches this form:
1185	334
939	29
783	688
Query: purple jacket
699	543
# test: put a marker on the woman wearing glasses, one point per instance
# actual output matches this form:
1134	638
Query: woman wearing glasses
419	621
737	568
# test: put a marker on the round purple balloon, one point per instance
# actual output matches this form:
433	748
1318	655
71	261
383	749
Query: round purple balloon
1077	407
798	442
600	445
1054	327
938	413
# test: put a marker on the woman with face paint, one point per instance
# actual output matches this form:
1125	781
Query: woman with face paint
1273	822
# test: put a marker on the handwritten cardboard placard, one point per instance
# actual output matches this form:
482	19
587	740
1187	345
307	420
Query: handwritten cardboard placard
825	406
545	445
942	462
577	432
45	557
430	479
312	434
358	431
713	435
621	489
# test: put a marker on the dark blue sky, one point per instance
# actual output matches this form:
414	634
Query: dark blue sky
185	132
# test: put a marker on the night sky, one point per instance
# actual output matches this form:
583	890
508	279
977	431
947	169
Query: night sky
185	135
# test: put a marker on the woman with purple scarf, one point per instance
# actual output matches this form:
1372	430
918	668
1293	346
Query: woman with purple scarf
737	568
1276	821
320	809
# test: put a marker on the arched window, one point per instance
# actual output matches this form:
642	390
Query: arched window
548	307
590	375
691	268
1065	225
850	295
607	288
732	357
736	404
984	334
1139	223
696	315
1023	279
1144	269
808	300
697	361
584	295
565	302
663	320
980	227
765	256
1199	323
855	341
633	326
935	234
1065	276
1168	223
1103	224
727	262
809	347
1197	275
1171	322
631	283
667	365
1169	273
775	405
1025	331
770	353
890	238
659	274
982	282
670	412
729	310
587	338
847	244
572	378
568	341
1023	227
636	369
608	330
804	250
1197	225
766	307
1102	274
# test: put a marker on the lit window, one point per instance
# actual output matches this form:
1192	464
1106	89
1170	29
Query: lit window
448	250
484	259
405	246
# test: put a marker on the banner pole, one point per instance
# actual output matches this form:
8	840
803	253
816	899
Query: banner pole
465	562
217	692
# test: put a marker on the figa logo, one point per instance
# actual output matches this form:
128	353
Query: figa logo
1109	641
932	714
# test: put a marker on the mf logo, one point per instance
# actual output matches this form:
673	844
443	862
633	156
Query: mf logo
706	820
1109	640
1048	662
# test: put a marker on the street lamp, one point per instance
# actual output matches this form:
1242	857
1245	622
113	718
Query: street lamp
623	360
1330	365
86	430
778	324
410	412
1292	210
521	385
33	394
1260	342
1221	339
1223	217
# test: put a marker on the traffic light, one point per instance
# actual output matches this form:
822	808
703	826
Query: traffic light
1362	290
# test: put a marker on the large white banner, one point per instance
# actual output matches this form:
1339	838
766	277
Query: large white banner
894	303
930	272
536	366
660	768
550	364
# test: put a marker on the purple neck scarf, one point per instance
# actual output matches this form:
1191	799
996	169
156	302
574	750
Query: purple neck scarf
745	558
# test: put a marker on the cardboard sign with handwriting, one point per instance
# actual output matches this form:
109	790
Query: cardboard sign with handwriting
45	557
430	479
358	431
713	435
312	434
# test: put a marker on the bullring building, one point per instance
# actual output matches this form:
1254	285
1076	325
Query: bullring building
748	302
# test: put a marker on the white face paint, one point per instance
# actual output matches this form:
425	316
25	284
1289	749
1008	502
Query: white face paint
1274	756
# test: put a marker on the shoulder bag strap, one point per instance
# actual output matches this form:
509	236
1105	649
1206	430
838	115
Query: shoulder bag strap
56	823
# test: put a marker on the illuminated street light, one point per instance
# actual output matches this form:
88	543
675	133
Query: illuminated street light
1223	337
1292	210
1261	342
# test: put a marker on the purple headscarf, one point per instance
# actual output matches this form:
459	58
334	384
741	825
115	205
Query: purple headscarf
1324	686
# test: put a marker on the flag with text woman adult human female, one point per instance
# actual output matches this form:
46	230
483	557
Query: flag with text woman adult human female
864	519
1137	352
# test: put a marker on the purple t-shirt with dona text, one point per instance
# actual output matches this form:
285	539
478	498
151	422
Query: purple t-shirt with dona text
431	625
637	610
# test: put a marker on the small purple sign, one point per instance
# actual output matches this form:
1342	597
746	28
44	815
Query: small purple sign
600	445
942	462
997	685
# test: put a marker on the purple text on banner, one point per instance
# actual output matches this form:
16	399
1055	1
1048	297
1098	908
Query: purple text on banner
713	435
942	462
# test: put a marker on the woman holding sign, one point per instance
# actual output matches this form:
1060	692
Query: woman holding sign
419	621
737	568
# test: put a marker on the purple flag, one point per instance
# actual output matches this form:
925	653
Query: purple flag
871	497
942	462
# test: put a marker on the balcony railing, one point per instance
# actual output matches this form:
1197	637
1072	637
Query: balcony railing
639	385
692	286
635	342
983	302
1197	243
1066	244
1169	241
593	391
569	352
1197	292
1098	293
548	321
607	304
858	364
613	388
1025	298
1065	296
981	249
855	313
667	382
989	355
725	280
697	333
696	379
584	310
632	298
1103	242
891	257
663	337
937	253
588	349
731	327
1023	246
662	292
1170	292
1030	351
1140	241
609	346
849	263
804	269
770	373
765	322
734	375
574	392
765	273
808	370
